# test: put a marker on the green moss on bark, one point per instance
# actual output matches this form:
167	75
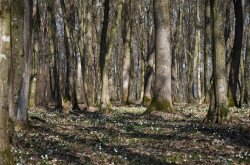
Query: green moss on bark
230	100
107	110
146	101
219	115
8	157
160	105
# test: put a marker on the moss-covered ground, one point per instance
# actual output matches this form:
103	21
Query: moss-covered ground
124	136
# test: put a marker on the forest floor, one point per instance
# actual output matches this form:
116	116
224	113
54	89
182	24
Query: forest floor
126	137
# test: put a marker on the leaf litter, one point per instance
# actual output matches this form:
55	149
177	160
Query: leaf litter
124	136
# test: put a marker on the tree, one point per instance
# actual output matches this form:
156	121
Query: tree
247	62
127	50
207	48
162	98
53	40
236	52
219	112
68	10
105	56
22	112
42	83
5	56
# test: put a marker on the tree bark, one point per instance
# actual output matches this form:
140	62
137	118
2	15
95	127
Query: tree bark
236	53
147	98
54	53
105	57
42	83
207	49
219	112
5	56
22	112
127	51
162	98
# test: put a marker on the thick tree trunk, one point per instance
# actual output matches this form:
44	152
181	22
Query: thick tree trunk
162	98
219	113
42	83
5	56
236	53
22	112
106	56
16	66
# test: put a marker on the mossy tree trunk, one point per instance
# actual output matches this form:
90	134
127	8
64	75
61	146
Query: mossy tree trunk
5	57
162	98
22	112
219	113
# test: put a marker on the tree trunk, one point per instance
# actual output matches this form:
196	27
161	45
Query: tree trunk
16	66
147	98
22	112
54	53
105	57
162	98
68	10
5	56
219	113
127	51
207	49
247	62
42	83
236	53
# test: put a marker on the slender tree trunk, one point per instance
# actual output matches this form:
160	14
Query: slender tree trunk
54	54
207	49
162	97
22	112
247	62
103	48
236	53
147	98
5	56
82	49
90	58
127	51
